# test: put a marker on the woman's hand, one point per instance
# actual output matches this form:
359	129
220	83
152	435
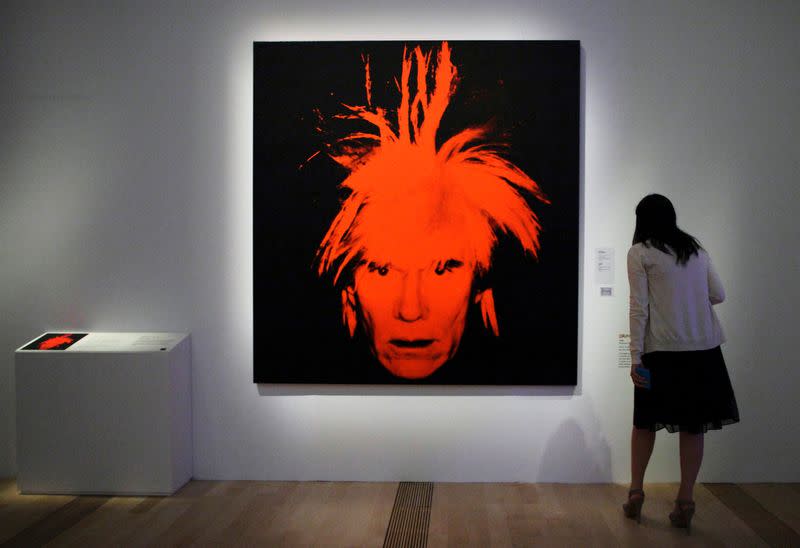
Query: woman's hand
637	379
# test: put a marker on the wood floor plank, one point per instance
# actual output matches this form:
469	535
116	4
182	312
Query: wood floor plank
8	488
765	524
16	517
363	512
18	512
781	500
513	515
55	523
333	513
258	522
146	505
250	513
103	527
195	488
713	525
206	515
143	520
145	529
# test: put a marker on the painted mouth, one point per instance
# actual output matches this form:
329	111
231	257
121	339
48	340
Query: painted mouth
412	343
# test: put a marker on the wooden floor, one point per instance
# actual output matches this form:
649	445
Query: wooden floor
256	513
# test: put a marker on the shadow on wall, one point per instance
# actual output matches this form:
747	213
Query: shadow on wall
573	456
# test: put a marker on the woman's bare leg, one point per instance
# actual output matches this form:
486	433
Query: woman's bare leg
642	441
691	452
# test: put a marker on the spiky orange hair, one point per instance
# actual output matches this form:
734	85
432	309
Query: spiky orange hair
401	184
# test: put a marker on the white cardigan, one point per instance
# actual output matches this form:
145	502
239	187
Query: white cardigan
671	304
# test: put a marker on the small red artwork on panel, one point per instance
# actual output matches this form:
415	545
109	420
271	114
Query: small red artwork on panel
55	341
58	340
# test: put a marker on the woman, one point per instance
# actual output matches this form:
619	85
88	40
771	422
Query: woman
675	340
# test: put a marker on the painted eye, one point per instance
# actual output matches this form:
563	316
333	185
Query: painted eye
382	270
447	266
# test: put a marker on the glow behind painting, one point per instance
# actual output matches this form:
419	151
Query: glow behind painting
415	212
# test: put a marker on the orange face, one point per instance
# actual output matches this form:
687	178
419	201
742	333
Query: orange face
414	310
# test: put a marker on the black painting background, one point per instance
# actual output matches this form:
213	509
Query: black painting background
528	91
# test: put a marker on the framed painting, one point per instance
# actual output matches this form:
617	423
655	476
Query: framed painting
415	212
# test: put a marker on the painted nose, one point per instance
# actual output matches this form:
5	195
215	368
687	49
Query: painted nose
410	305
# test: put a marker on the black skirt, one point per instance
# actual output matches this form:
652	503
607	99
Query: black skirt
690	392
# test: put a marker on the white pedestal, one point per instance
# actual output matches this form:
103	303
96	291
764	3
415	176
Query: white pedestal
111	414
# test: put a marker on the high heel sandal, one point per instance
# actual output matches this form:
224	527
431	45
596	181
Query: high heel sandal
682	515
633	508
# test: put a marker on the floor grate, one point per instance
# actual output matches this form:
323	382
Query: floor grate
411	516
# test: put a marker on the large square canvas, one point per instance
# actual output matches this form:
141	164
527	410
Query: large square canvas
415	212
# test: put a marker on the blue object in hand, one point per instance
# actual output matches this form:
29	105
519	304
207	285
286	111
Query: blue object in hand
644	372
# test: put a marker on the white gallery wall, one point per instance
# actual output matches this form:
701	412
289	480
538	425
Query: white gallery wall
126	205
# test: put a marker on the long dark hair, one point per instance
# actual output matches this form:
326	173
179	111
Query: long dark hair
656	225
